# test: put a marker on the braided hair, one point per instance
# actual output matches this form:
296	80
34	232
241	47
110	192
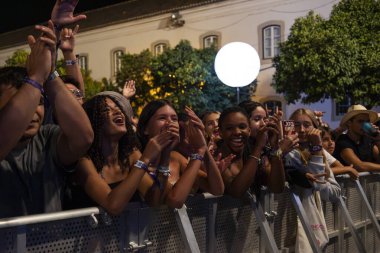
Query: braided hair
95	109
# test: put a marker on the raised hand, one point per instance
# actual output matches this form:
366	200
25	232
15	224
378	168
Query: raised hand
158	144
224	163
42	55
67	38
195	131
63	12
129	89
314	136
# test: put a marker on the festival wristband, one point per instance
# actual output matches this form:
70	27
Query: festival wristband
35	84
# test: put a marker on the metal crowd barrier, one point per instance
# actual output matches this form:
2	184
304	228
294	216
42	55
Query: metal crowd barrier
205	224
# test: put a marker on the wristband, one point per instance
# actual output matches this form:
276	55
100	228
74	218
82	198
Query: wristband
164	170
196	156
141	165
315	148
53	75
259	161
71	62
35	84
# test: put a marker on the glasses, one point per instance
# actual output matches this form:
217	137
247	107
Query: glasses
305	124
77	93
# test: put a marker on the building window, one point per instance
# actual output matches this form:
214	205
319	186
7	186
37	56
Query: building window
116	61
271	106
209	41
160	48
83	62
271	41
341	108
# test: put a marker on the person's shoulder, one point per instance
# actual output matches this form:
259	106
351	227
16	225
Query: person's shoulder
343	137
49	129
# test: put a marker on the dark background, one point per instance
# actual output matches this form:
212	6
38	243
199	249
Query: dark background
16	14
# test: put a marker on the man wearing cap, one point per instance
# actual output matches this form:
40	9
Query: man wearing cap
357	147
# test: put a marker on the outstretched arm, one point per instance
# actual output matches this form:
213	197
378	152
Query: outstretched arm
17	107
63	12
67	45
76	131
214	181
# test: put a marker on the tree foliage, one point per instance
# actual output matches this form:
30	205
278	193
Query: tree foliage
183	75
335	58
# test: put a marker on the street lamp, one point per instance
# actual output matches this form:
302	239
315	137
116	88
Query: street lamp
237	64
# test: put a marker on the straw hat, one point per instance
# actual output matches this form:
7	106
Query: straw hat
354	110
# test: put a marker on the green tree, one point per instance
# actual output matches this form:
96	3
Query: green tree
184	75
335	58
18	58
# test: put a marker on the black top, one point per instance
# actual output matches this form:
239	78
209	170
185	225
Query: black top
363	149
76	197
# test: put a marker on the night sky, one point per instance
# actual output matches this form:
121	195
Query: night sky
16	14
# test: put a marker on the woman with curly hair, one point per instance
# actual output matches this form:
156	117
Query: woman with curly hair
114	172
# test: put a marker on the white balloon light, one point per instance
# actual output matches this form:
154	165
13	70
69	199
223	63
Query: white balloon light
237	64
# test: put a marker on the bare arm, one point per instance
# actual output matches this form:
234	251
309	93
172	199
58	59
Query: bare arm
18	107
180	191
213	183
113	200
338	169
67	45
76	131
276	172
350	157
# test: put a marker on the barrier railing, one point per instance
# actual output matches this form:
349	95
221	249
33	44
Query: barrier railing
205	224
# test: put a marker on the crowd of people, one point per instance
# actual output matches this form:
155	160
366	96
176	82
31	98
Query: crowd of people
60	152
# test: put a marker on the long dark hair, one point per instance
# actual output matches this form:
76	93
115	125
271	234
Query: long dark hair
149	110
249	106
127	143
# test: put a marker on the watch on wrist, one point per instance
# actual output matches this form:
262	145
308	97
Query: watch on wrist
53	75
315	148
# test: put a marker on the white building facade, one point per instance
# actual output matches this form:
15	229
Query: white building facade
260	23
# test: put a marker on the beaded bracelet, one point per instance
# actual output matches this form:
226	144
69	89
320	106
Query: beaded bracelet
196	156
141	165
71	62
35	84
164	170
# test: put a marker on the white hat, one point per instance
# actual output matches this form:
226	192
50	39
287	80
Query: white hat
354	110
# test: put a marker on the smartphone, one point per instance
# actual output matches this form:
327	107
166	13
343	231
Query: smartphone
288	127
